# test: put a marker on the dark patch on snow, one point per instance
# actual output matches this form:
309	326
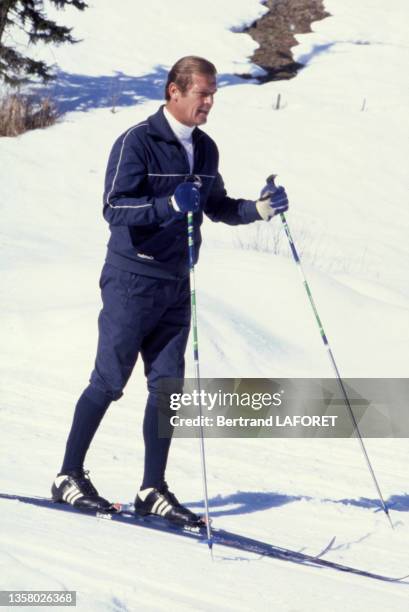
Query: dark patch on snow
275	33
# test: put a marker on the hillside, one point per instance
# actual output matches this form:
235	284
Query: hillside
345	172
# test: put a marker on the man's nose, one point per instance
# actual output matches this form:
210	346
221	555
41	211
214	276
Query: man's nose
209	99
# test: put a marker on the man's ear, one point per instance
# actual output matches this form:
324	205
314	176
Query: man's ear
173	91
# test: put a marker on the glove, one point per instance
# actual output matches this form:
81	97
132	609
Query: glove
272	202
186	198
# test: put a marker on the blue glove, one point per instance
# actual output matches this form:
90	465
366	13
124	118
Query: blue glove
271	202
186	198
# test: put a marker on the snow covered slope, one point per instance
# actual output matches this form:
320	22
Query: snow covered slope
345	173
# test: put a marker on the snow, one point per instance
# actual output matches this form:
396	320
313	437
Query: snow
345	172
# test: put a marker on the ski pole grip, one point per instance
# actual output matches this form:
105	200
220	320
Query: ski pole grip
270	180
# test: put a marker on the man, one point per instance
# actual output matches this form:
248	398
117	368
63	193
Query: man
145	279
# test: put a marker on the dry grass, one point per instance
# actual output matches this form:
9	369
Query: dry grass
19	113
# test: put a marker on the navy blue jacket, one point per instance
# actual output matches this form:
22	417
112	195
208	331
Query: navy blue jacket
146	164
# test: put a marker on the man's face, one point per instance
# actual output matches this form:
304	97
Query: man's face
193	107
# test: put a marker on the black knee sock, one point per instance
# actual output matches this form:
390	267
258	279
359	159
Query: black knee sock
88	414
156	448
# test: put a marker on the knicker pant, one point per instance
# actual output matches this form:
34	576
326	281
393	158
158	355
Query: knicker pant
143	315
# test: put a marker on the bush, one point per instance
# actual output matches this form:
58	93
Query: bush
311	244
19	113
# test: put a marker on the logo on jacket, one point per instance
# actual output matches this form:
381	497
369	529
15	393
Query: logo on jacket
145	256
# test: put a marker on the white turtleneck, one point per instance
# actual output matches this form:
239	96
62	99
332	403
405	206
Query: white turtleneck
183	133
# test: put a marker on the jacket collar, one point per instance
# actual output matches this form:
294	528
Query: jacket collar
159	127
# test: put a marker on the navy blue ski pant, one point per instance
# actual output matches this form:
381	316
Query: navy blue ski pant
145	315
140	315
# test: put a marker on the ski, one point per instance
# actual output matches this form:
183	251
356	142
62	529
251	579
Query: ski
219	536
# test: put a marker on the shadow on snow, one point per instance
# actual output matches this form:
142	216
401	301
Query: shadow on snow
247	502
79	92
399	503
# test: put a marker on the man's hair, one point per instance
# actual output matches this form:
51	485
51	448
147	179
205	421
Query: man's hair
181	72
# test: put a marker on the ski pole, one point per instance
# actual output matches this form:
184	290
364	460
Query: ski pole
271	184
191	245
